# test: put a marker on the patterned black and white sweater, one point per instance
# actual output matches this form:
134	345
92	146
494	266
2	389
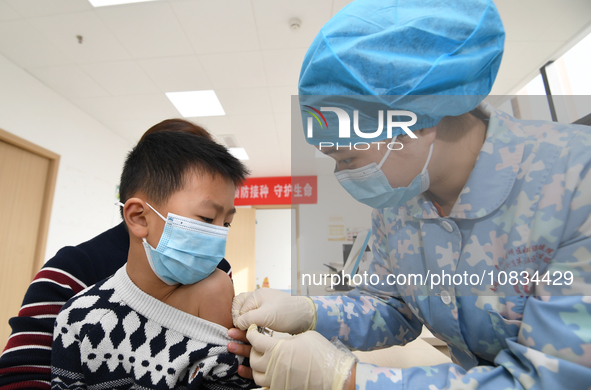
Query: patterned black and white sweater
113	335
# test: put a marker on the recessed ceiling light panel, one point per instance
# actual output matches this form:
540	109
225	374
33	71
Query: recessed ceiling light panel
104	3
196	103
239	153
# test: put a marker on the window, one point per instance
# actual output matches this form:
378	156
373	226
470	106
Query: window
566	97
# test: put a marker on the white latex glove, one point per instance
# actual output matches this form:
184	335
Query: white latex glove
274	309
302	362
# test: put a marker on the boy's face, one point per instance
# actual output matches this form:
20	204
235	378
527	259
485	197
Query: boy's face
203	198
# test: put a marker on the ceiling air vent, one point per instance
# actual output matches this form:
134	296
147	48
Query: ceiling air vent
229	140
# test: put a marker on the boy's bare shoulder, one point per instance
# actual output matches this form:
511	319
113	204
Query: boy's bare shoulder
210	298
216	284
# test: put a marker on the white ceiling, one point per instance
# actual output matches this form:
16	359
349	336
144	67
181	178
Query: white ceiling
244	50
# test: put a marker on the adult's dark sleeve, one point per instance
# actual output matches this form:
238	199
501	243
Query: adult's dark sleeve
26	359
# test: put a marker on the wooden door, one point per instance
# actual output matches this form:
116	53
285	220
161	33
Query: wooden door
240	249
27	179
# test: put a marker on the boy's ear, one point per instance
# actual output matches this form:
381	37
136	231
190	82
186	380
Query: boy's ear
134	214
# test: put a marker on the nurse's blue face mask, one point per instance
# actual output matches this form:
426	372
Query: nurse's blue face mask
370	186
188	250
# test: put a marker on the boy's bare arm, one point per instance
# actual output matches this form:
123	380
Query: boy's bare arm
210	298
217	291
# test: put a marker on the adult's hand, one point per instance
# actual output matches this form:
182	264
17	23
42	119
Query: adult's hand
302	362
274	309
240	349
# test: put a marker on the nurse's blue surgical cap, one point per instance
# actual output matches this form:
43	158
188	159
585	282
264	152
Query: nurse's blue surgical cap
434	58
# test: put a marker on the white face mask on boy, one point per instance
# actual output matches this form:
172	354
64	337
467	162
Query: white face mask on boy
188	250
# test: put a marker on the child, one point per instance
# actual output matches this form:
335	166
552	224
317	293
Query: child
26	360
160	321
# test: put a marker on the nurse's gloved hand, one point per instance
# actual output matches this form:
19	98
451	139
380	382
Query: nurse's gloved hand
302	362
274	309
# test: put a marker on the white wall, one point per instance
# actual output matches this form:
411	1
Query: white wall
333	200
91	155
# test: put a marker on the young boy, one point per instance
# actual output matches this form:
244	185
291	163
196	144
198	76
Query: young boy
161	321
26	360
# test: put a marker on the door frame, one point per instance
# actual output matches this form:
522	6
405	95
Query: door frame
47	204
297	212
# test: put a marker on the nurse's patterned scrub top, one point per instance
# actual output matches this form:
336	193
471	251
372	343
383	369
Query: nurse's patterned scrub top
525	207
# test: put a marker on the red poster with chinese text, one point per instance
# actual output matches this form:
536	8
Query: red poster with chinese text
277	190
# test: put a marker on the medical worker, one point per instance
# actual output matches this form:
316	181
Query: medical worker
476	192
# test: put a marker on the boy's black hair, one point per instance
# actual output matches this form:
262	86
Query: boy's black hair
157	166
